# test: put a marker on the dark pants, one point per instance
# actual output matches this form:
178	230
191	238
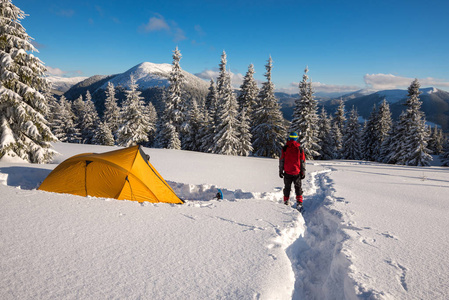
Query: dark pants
288	180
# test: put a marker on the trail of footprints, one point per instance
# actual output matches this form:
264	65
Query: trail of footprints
400	269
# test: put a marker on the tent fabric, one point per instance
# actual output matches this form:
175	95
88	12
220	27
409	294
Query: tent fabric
123	174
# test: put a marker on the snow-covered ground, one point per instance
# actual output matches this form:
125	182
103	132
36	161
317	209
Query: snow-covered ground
370	231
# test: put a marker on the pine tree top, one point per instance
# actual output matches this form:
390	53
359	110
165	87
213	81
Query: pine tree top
177	54
413	89
222	75
223	62
268	67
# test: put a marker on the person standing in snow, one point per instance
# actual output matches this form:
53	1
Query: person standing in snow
292	167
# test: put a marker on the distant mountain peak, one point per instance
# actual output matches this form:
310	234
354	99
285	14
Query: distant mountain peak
149	67
430	90
149	75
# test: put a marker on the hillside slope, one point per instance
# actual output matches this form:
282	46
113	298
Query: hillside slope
151	79
435	104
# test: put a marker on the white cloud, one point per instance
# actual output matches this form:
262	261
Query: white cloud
318	87
333	88
178	33
389	81
55	71
159	23
199	30
59	72
236	78
433	82
386	81
156	23
208	74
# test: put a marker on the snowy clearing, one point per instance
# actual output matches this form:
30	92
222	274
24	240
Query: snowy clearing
370	231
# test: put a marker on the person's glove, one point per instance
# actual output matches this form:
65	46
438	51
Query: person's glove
281	174
303	176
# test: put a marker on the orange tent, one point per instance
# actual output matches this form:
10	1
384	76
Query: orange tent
123	174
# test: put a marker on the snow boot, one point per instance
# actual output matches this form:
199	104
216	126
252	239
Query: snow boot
299	206
285	200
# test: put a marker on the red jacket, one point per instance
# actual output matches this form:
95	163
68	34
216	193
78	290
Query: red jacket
293	160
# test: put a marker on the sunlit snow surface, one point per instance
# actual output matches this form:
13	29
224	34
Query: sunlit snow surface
370	230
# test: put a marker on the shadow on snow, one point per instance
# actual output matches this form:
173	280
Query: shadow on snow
26	178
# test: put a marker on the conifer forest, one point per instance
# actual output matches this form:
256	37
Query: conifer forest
245	121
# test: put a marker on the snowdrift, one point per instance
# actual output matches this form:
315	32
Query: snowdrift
370	231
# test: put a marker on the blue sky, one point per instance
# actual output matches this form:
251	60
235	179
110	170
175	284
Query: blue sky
347	45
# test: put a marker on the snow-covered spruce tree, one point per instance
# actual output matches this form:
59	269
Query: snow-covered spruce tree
89	120
325	136
248	92
383	127
160	140
193	139
206	133
78	108
153	120
268	131
173	141
351	138
340	116
134	116
174	111
337	139
74	133
24	132
445	155
436	141
211	103
369	137
210	119
305	118
162	125
167	136
223	74
418	153
103	135
339	122
63	125
416	135
386	146
111	114
439	141
58	124
244	133
226	139
52	104
393	147
299	110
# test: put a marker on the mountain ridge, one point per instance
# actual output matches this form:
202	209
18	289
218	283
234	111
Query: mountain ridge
151	78
435	104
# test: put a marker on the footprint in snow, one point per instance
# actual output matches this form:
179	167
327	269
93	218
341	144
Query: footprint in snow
389	235
401	272
368	241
